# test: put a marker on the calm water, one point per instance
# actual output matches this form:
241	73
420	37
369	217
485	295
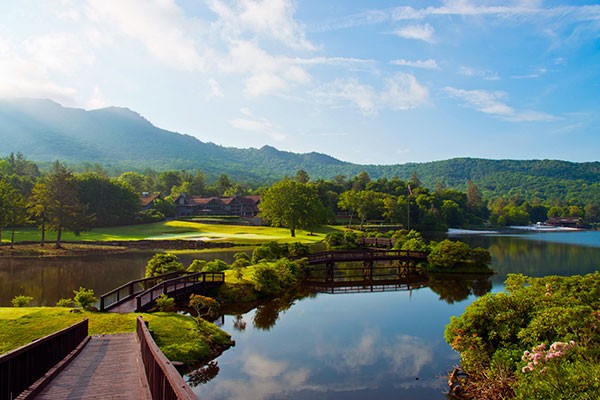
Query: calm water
376	345
344	346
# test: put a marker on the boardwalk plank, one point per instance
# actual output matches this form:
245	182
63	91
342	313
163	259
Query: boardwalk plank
109	367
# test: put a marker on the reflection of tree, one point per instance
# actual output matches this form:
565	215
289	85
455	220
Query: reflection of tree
238	323
267	314
204	375
455	289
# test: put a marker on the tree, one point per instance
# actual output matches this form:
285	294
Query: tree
136	180
112	201
364	203
302	176
161	263
15	209
56	199
292	205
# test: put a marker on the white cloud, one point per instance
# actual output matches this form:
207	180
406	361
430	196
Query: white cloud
425	64
270	19
158	24
360	95
494	103
484	74
250	123
29	78
60	51
417	32
403	92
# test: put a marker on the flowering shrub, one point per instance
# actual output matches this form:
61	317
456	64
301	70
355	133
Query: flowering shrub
538	356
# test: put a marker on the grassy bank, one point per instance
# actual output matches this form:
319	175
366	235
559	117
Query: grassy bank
178	336
181	230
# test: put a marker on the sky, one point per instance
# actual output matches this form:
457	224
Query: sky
370	82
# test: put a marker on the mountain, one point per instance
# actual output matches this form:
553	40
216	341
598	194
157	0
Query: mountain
122	139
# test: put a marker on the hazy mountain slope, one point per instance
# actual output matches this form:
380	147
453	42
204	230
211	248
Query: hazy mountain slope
46	131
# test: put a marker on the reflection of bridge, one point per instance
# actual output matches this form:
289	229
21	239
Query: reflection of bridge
400	269
372	286
140	294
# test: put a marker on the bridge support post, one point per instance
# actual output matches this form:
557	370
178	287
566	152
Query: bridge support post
329	267
368	270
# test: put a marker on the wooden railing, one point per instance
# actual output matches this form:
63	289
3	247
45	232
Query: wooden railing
364	255
178	285
163	379
132	289
22	367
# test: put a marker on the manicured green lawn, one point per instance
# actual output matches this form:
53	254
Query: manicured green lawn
181	230
178	336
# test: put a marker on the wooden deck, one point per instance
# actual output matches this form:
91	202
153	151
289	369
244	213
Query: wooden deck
108	367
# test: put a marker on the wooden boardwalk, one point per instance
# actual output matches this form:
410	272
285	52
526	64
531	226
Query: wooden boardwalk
108	367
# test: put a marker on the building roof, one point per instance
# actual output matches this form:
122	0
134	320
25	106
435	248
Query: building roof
147	198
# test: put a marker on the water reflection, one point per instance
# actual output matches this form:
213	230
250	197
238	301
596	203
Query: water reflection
452	288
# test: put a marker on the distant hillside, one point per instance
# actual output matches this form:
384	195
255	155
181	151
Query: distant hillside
45	131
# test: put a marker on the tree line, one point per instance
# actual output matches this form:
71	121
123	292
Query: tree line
58	199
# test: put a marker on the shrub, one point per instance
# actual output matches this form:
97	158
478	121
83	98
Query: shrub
21	301
197	265
298	249
269	251
448	254
84	297
165	303
65	303
161	263
215	265
334	239
243	258
205	306
266	279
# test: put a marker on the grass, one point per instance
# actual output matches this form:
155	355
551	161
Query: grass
178	336
177	229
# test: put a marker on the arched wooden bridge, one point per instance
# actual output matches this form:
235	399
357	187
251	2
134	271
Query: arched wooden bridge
398	266
140	294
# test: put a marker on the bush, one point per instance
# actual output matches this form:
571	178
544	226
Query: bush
161	263
243	258
204	306
165	303
269	251
266	279
84	297
335	239
197	265
65	303
21	301
215	265
448	254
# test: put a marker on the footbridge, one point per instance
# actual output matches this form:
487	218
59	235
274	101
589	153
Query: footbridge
139	295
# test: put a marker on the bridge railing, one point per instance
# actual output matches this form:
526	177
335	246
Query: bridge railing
358	255
133	288
174	285
163	379
22	367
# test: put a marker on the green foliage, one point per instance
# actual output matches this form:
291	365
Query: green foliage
65	303
197	265
84	297
448	254
527	332
271	279
335	239
165	303
161	263
293	205
242	258
215	265
21	301
204	306
269	251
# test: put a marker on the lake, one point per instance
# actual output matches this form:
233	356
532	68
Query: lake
379	345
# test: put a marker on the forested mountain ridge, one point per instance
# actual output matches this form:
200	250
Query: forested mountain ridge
121	139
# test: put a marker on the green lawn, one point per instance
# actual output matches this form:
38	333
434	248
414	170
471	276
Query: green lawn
178	336
181	230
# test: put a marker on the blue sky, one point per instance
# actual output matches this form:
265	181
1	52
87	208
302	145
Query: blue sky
371	82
